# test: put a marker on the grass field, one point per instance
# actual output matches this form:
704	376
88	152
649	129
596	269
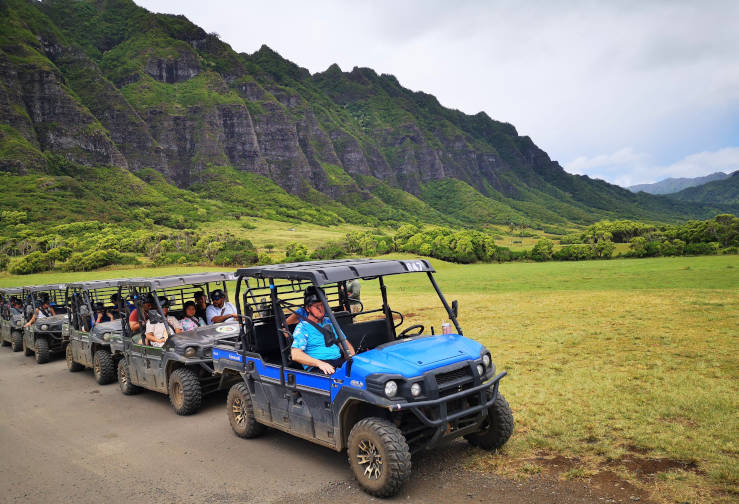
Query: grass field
629	367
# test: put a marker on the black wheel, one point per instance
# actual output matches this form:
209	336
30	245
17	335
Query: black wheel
103	367
124	380
16	343
42	351
71	364
185	392
240	412
379	456
497	428
26	350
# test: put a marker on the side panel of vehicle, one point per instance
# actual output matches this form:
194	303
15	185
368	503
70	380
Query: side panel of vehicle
81	347
302	406
29	338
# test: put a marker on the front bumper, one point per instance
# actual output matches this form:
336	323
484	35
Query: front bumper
440	405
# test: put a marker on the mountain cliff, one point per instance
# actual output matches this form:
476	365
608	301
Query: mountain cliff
108	84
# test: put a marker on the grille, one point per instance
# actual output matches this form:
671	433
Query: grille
453	376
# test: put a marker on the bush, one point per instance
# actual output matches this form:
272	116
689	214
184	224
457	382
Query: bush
574	252
296	252
331	250
710	248
32	263
239	257
81	261
542	251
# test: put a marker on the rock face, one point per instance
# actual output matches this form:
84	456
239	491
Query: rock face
108	83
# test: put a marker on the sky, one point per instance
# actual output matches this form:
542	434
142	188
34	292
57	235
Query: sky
627	91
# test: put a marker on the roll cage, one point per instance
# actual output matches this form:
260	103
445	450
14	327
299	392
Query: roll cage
177	288
82	298
32	295
264	293
7	294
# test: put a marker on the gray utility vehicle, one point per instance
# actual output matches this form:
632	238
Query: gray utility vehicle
11	322
49	334
94	345
183	367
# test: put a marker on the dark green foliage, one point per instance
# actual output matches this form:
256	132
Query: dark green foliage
94	259
296	252
331	250
703	248
450	245
32	263
542	251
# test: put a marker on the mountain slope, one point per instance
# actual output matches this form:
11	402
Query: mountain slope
718	192
107	83
673	185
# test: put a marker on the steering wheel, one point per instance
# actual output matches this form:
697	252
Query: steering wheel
405	331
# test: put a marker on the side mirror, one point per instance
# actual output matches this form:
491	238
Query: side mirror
455	308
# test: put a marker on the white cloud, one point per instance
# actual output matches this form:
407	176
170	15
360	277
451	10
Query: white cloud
705	163
626	167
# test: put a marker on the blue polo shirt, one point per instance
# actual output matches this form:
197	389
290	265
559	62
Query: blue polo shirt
310	340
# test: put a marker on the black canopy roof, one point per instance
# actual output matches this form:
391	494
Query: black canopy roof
337	270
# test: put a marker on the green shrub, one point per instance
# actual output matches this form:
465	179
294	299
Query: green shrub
32	263
4	261
239	257
711	248
330	250
295	252
542	251
574	252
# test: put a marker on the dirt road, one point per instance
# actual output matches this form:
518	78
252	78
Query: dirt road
64	438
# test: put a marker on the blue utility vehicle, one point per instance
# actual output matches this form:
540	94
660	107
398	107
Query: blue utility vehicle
406	389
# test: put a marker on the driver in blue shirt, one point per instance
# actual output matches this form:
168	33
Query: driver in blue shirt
309	347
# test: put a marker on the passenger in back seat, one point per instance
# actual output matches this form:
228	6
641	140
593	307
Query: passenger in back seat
191	321
156	333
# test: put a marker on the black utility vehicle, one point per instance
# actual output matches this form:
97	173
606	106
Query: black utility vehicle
183	367
49	333
408	387
92	344
11	321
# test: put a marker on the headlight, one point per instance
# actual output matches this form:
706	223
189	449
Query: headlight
106	336
207	353
480	370
486	360
18	323
416	389
391	388
190	352
44	327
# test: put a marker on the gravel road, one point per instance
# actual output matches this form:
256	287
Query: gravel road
64	438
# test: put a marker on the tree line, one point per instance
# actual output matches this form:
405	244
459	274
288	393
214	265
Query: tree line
84	246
